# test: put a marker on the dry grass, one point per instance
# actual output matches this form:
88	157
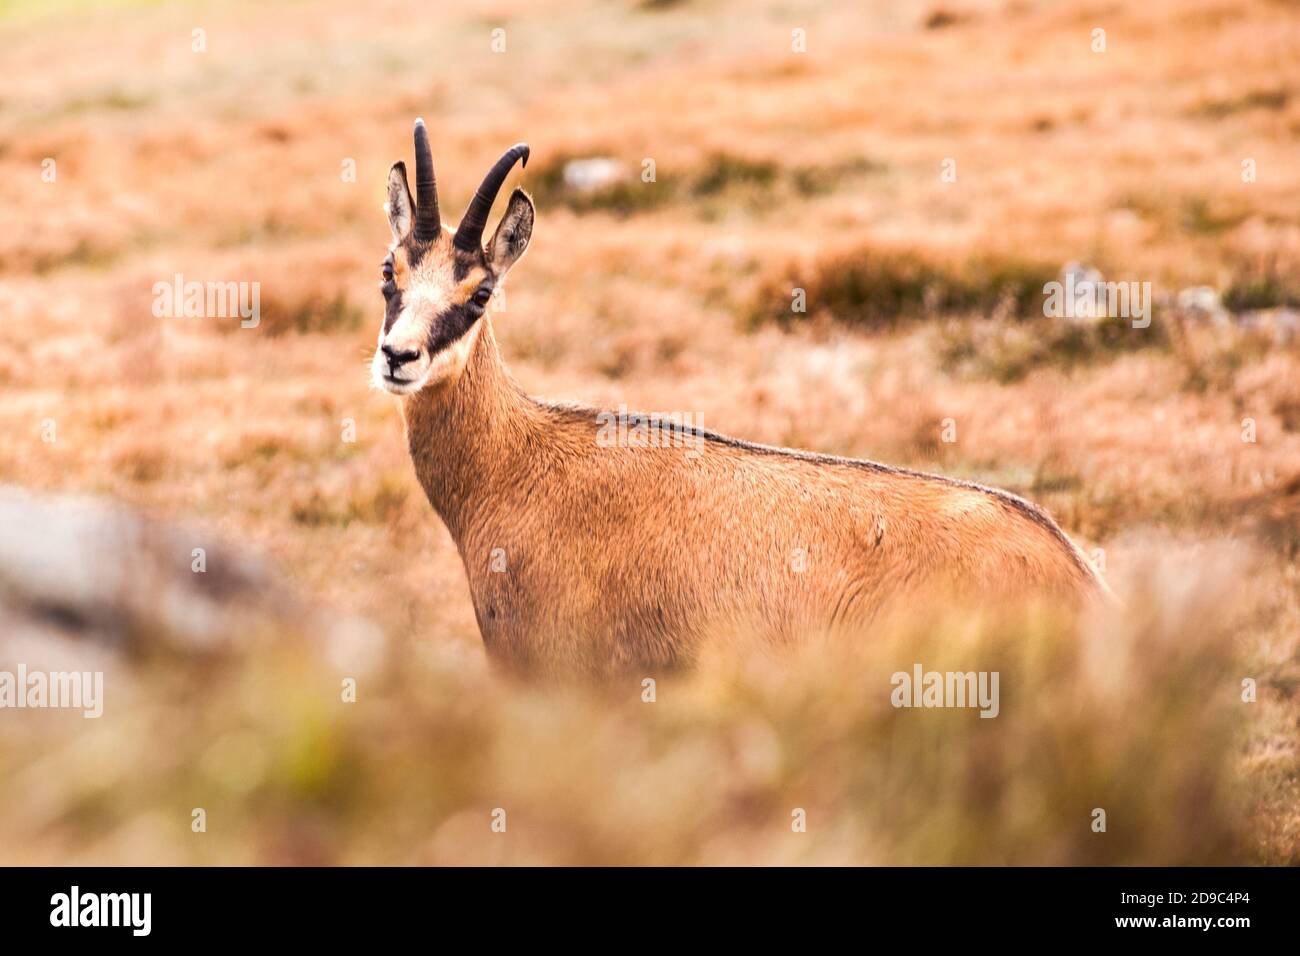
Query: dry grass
772	166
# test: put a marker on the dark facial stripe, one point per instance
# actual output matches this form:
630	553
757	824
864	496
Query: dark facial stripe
392	309
451	325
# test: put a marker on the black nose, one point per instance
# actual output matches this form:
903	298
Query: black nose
397	359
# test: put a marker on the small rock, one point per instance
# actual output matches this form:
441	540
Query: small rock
1202	303
1085	292
597	172
92	573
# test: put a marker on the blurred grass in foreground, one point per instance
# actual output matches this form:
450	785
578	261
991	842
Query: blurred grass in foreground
1134	714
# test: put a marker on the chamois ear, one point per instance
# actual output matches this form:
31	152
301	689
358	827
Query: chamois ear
513	232
400	207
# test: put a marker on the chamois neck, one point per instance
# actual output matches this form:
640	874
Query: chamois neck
468	437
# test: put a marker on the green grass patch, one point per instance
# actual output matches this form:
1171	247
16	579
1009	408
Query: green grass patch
1006	351
878	288
721	182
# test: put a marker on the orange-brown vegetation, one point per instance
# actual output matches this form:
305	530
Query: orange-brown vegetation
774	169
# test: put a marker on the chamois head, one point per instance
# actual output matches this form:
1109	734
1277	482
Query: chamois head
437	281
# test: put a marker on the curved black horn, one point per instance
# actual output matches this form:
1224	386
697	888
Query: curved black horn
427	224
469	234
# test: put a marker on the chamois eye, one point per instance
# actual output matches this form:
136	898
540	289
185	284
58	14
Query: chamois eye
387	271
481	297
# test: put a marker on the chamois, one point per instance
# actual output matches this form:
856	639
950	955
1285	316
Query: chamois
591	557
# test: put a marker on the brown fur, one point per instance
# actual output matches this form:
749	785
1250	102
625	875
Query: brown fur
620	558
591	556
